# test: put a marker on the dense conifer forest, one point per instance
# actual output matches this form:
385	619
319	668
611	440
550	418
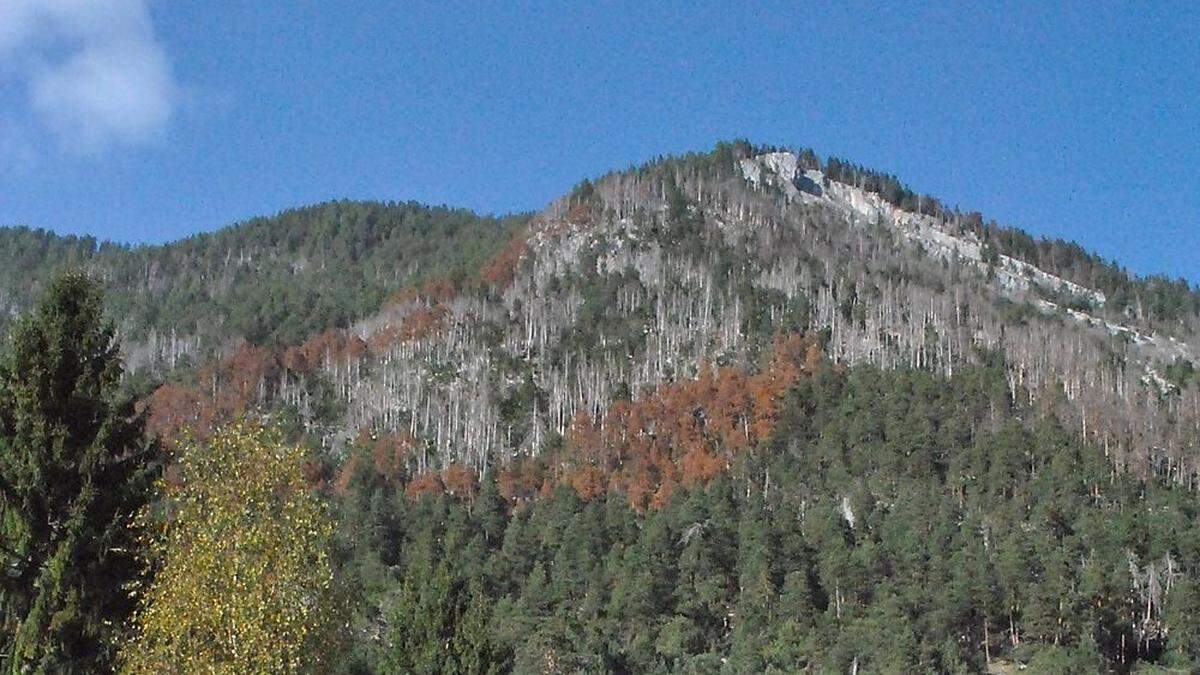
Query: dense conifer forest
895	521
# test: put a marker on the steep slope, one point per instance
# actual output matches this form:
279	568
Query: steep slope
656	275
267	280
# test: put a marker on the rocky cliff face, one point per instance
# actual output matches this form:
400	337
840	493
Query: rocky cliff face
647	276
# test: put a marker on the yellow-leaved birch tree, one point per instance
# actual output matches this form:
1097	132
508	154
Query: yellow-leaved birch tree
243	580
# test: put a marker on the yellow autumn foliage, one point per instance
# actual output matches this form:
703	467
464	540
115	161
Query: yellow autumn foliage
244	581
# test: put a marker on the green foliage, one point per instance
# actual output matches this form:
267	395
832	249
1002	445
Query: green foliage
439	625
73	469
1183	616
267	280
1178	372
894	523
899	522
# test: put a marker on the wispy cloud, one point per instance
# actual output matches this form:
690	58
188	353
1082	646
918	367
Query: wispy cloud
90	73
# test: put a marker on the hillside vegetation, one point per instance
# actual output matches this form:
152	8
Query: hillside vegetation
644	277
894	522
265	281
749	410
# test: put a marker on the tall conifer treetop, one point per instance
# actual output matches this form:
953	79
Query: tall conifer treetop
73	470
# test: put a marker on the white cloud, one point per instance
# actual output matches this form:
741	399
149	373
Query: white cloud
90	72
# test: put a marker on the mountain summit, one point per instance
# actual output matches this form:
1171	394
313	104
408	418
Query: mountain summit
654	275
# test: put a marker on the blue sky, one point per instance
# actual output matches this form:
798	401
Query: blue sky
153	120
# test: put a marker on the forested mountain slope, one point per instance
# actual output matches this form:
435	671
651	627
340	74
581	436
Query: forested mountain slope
685	265
729	413
264	281
740	411
895	522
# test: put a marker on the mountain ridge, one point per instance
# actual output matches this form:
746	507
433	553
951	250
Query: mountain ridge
681	261
190	298
638	279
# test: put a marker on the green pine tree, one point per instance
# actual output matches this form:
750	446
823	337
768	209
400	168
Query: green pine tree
1183	619
73	469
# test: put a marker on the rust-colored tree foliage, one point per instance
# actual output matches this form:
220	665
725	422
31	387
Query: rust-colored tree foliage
172	408
460	481
521	481
224	389
238	379
422	323
581	214
381	341
229	386
589	481
423	484
682	433
341	483
317	351
390	454
316	474
501	270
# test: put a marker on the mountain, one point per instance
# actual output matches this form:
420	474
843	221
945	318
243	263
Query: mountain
264	281
748	410
651	276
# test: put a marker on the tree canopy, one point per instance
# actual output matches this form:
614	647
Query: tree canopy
73	469
242	573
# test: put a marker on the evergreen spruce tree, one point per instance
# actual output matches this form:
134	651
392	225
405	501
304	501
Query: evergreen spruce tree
1183	617
73	471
